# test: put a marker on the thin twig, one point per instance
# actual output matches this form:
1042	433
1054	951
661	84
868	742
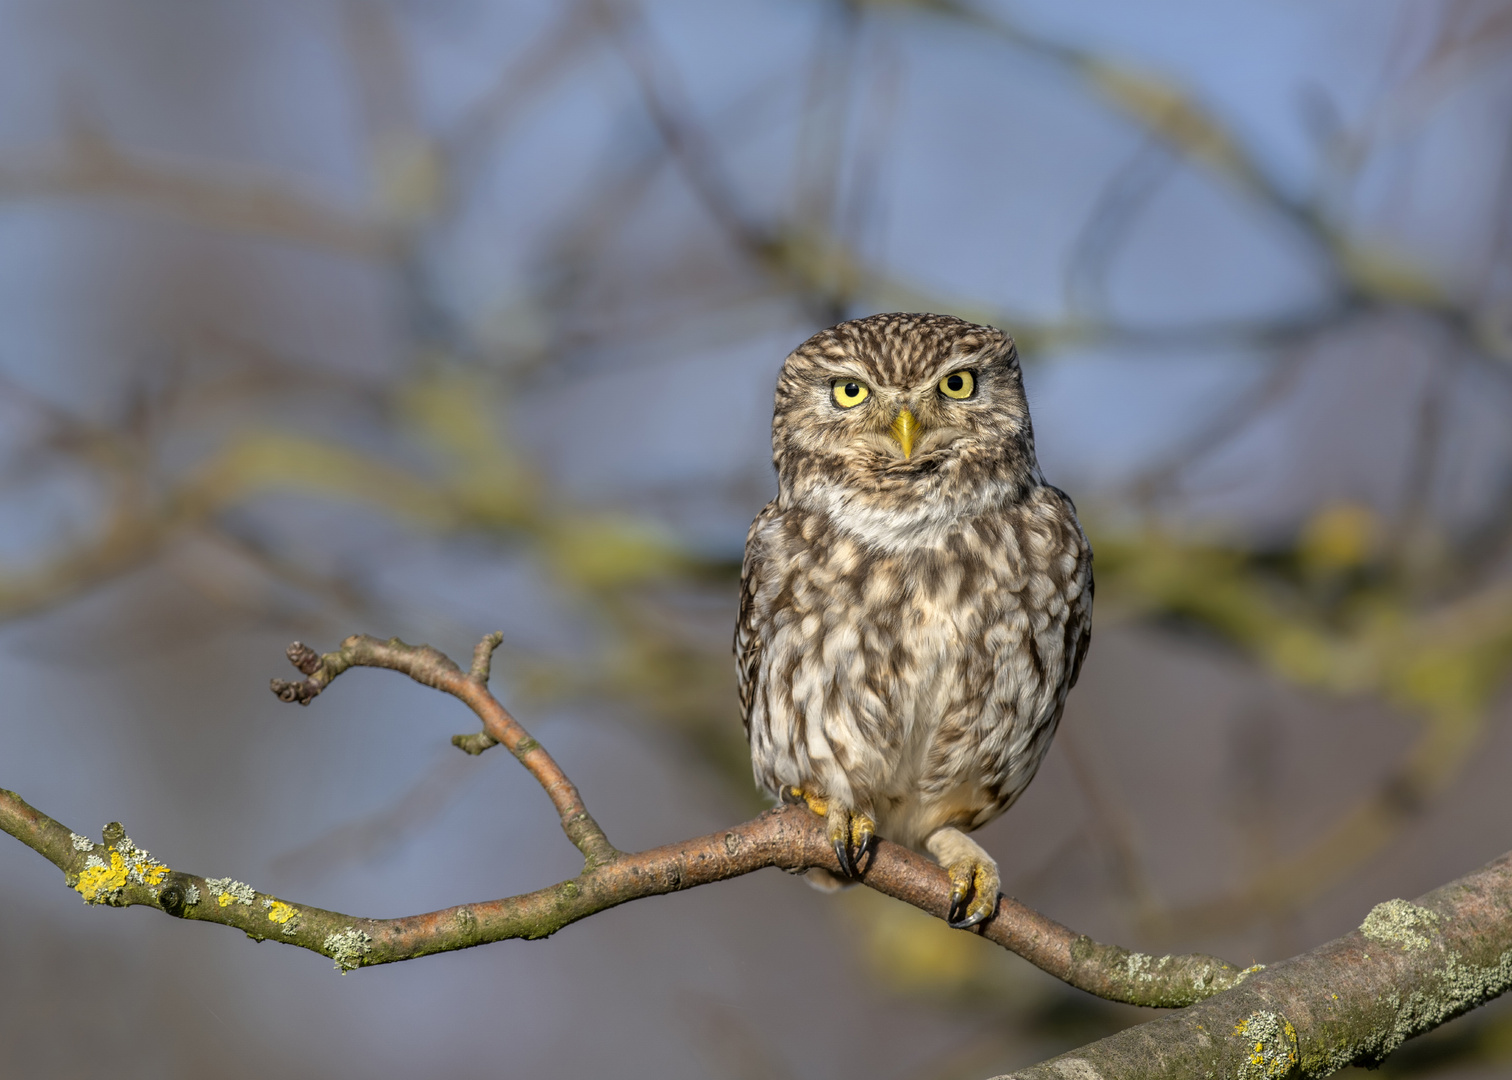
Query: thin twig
433	668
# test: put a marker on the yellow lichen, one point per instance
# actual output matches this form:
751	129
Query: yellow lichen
280	912
1275	1050
101	884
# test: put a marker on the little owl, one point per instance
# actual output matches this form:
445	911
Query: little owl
916	601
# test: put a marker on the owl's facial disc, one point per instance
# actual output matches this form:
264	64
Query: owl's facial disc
889	422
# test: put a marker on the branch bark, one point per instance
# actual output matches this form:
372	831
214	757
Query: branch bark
118	873
1409	968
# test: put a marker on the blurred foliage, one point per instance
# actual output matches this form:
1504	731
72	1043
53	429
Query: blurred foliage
1325	614
1346	604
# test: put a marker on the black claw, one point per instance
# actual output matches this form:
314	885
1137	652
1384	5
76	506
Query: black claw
842	853
957	905
791	796
862	852
968	922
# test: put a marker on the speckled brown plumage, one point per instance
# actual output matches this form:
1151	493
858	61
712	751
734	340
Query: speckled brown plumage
909	624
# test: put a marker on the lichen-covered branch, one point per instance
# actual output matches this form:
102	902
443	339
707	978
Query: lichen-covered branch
437	670
119	873
1410	966
1407	969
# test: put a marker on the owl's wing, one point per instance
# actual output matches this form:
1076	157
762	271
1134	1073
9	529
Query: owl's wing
747	628
1079	628
1079	624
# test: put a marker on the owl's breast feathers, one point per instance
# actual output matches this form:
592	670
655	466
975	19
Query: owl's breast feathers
926	679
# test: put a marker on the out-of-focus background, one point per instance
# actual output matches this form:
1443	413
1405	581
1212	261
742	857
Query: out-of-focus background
432	317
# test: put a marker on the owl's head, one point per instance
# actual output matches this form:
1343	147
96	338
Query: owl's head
911	420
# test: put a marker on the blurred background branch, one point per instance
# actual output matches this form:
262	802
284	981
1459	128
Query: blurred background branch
314	314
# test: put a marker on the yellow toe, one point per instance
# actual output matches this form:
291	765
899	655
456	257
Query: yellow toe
850	831
817	803
850	834
973	893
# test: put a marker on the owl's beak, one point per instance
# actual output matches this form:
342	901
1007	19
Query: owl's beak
905	429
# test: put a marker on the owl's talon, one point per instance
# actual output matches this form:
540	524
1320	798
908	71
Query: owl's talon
843	856
980	915
850	833
863	829
980	882
957	905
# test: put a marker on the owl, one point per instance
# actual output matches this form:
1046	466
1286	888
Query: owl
916	601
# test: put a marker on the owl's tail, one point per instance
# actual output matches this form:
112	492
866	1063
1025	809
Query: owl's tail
826	880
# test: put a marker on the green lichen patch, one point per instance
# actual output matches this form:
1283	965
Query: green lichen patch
1271	1046
141	867
1454	987
1460	986
1398	922
81	843
191	894
1141	967
347	948
1159	981
229	891
1206	979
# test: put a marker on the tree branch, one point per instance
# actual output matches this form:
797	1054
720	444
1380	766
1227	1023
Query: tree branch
120	874
434	669
1408	968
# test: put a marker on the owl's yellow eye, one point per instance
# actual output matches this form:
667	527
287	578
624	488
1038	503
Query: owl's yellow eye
958	385
849	392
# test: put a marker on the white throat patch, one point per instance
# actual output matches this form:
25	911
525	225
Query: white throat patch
924	523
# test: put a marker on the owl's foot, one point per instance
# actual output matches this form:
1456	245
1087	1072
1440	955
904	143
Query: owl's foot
974	878
973	892
850	831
